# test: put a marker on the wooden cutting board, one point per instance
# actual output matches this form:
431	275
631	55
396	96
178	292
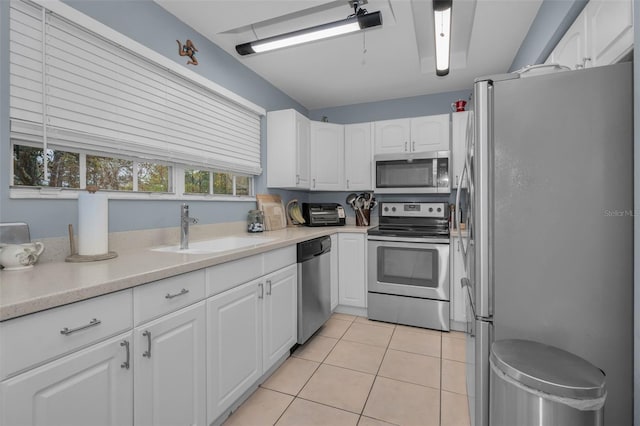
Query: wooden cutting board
274	214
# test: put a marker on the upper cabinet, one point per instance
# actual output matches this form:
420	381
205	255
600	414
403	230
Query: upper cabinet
420	134
459	126
327	156
358	157
288	150
601	35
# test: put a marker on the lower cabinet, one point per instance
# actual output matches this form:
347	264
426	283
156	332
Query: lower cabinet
93	386
169	357
249	328
334	271
352	276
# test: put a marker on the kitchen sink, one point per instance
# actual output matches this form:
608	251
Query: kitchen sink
217	245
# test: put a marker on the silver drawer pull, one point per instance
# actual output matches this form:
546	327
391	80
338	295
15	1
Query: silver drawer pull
125	364
147	353
66	331
171	296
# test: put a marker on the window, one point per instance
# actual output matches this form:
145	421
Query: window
111	112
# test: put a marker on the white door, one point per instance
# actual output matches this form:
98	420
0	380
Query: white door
280	313
334	271
610	29
352	270
458	146
571	49
430	133
170	384
302	151
392	136
327	156
234	345
358	158
93	387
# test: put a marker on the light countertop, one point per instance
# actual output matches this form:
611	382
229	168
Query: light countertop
48	285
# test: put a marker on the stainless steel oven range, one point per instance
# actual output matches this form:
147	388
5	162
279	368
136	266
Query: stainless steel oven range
408	265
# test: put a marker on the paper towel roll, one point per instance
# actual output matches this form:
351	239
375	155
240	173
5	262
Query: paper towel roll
93	224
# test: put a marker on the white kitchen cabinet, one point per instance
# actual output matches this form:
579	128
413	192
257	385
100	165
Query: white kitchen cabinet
327	156
392	136
249	328
610	29
352	273
358	157
280	315
288	139
459	122
419	134
170	361
601	35
93	386
457	312
430	133
334	271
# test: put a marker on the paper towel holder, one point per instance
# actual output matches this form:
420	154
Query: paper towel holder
75	257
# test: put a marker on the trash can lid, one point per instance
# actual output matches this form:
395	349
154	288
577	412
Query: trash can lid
548	369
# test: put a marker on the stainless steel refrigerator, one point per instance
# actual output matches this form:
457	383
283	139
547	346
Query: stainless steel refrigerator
549	256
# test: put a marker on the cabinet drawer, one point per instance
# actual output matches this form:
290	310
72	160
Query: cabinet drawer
170	294
231	274
278	259
36	338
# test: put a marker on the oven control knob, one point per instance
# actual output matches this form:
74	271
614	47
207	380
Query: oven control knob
386	209
430	209
439	209
393	209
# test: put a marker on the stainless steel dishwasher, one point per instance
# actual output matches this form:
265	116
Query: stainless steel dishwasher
314	286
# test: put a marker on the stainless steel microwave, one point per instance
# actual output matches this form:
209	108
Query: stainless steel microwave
413	173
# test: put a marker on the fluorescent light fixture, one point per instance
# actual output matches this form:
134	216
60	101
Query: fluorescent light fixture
332	29
442	34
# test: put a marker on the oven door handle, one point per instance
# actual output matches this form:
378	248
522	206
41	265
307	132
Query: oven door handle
419	240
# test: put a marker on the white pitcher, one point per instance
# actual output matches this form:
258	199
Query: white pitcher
20	256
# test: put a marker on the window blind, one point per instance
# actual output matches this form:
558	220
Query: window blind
100	97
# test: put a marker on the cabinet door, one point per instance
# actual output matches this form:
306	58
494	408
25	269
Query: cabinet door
327	157
571	49
280	313
334	271
458	313
169	380
352	270
93	386
392	136
234	345
358	158
458	144
610	30
430	133
302	152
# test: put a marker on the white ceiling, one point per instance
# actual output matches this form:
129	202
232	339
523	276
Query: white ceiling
399	57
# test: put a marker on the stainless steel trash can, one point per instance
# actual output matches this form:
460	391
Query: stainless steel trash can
536	384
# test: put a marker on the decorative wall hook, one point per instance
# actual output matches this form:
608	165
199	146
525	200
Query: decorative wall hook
189	49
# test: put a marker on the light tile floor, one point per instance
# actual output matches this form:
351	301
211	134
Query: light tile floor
366	373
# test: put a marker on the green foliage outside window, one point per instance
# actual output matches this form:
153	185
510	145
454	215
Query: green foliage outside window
196	181
153	177
110	173
28	167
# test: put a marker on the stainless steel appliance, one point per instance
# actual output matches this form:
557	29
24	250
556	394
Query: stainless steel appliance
550	250
323	214
408	265
413	173
314	286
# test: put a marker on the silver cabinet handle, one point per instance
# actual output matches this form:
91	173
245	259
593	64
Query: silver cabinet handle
413	146
261	295
268	287
147	353
171	296
297	179
67	331
347	183
314	182
125	364
405	146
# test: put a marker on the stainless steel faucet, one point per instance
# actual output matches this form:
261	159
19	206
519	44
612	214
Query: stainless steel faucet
185	221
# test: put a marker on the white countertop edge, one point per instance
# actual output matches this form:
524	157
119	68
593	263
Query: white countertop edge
46	292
